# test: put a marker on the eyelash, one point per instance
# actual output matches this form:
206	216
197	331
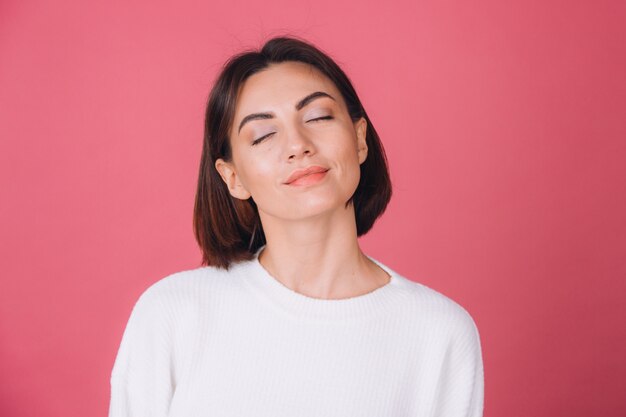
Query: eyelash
254	142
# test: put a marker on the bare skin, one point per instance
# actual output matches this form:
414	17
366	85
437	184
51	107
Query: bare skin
312	245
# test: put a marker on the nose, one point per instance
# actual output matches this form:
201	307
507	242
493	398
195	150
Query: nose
298	144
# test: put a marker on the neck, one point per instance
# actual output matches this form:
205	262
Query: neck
320	256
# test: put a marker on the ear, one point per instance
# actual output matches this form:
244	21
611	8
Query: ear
360	126
229	174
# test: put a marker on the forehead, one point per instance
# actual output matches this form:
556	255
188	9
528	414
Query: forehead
281	85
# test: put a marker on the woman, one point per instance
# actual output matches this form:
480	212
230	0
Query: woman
289	317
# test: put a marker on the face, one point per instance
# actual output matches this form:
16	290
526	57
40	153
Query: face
277	131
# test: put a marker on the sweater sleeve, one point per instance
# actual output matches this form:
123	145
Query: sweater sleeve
476	402
460	391
142	381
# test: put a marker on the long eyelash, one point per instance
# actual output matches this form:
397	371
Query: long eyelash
254	142
321	118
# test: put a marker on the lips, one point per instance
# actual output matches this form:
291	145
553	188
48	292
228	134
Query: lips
299	173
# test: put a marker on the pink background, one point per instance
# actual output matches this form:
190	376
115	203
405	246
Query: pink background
505	127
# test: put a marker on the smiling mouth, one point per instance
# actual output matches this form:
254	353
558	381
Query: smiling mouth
309	179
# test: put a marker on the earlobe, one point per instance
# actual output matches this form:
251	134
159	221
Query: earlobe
231	179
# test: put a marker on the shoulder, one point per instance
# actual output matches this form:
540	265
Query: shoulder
429	305
185	280
438	311
183	289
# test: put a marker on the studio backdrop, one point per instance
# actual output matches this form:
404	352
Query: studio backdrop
504	124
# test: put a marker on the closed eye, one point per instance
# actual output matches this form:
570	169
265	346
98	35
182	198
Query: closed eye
321	118
254	142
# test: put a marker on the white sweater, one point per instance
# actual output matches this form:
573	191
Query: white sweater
215	343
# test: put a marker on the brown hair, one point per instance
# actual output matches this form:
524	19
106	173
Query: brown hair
229	229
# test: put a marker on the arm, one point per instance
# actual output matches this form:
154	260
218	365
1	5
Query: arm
478	393
142	380
460	391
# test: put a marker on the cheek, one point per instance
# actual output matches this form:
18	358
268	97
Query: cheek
257	174
346	151
349	170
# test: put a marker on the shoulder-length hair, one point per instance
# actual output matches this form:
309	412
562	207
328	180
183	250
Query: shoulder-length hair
228	229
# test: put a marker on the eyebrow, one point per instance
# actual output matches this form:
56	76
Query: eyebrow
299	105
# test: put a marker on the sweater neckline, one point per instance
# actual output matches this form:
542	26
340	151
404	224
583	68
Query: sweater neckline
302	306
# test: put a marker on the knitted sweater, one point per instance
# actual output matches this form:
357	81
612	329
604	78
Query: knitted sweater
215	343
